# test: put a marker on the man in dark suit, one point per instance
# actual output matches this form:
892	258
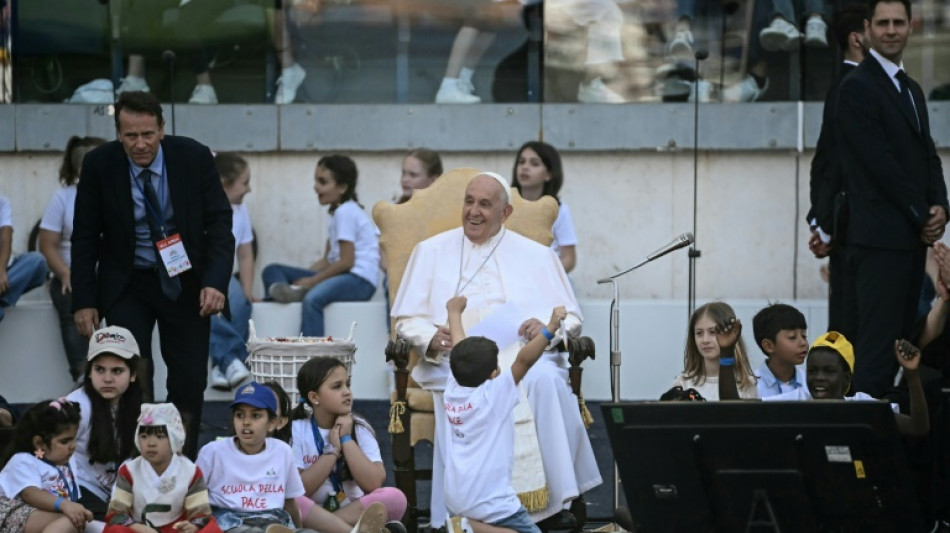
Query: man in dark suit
897	198
137	194
826	191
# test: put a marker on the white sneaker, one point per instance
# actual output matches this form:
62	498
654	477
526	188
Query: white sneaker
453	91
816	32
288	83
682	44
705	91
747	90
372	519
596	92
132	83
203	94
780	35
235	373
219	380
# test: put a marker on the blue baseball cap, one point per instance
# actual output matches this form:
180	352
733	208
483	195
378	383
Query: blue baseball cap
255	395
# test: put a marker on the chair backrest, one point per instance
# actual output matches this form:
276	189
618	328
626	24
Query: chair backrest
438	208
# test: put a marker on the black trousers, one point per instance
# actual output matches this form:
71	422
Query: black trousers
183	336
886	289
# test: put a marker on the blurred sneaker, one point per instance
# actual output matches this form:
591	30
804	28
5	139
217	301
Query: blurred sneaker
235	373
596	92
453	91
394	526
372	520
218	380
747	90
704	89
682	44
203	94
287	84
816	32
132	83
287	293
780	35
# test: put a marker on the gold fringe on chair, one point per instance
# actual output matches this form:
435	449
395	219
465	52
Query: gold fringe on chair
585	413
535	500
395	417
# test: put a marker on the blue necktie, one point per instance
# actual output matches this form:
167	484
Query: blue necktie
171	287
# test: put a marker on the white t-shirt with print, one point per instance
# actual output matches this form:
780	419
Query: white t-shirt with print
563	229
248	483
24	471
480	452
305	454
58	218
350	223
97	478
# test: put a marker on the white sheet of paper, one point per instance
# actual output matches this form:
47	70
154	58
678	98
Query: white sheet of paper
501	326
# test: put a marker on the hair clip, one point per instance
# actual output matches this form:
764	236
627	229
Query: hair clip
59	403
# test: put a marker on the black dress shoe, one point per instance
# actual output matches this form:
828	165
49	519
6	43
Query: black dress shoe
558	521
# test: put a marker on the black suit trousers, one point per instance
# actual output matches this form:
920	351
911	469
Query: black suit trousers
183	337
886	287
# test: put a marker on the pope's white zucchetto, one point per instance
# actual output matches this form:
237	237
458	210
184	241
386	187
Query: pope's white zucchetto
505	186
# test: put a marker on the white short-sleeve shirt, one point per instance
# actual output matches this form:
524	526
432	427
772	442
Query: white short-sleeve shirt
479	455
58	218
563	229
6	213
248	483
305	454
350	223
240	227
24	471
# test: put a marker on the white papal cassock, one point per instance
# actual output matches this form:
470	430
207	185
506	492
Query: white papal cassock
514	275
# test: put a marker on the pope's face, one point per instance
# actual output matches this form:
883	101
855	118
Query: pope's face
485	209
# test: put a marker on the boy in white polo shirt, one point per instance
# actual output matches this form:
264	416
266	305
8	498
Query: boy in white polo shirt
479	401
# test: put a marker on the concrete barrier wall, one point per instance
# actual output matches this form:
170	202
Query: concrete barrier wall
652	339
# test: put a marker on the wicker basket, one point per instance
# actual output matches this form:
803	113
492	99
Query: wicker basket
279	359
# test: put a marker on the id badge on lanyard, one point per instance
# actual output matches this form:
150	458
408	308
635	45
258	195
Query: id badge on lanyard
170	248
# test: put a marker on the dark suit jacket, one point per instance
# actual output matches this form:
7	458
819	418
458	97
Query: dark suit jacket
891	170
826	179
104	223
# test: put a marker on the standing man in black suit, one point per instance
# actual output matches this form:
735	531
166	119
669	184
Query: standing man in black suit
826	190
897	198
145	192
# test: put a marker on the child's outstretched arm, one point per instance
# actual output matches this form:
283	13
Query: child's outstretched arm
455	306
532	351
918	423
727	335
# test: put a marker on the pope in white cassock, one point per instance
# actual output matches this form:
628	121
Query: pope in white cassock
511	283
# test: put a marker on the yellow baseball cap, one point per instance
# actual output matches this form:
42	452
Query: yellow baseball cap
838	343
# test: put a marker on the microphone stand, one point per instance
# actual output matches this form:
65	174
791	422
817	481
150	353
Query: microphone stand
694	252
169	57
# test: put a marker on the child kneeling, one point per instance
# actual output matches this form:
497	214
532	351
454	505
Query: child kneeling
161	490
479	404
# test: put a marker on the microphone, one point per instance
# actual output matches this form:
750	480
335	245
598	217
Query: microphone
168	56
730	7
701	54
682	241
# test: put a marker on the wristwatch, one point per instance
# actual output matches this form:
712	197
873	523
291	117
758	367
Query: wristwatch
330	450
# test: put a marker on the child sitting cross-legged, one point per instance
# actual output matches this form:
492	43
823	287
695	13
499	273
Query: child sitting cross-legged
780	331
830	365
161	490
479	403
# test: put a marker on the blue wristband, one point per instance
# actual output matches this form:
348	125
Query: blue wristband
547	334
59	502
727	361
344	439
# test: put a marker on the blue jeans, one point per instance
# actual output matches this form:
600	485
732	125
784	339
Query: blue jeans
27	272
229	338
346	287
520	522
